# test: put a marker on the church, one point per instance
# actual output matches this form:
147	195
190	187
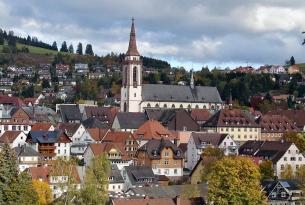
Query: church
136	97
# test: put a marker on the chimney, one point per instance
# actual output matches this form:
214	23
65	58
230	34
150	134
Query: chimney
178	200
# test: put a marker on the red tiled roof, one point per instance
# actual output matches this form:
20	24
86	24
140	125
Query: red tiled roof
117	136
41	126
200	114
9	136
152	129
277	124
39	173
105	147
11	100
97	133
296	116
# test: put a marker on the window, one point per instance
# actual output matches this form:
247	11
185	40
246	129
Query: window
300	158
166	154
135	94
175	171
173	106
282	167
58	151
232	129
166	162
245	129
283	194
297	166
165	105
285	158
292	158
181	106
273	194
166	171
227	129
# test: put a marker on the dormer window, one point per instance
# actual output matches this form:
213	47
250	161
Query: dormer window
178	153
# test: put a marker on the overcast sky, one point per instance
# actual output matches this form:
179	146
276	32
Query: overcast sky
184	32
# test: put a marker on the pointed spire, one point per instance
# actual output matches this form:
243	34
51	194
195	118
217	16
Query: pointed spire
132	48
192	84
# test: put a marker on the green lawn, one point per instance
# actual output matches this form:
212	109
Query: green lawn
35	50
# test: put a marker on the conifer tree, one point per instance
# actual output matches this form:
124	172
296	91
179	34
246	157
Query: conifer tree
79	48
64	47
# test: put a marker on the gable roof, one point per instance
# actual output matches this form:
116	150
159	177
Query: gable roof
273	150
41	126
230	118
154	147
70	112
208	138
291	185
179	93
39	173
200	114
97	133
103	114
135	173
117	136
115	175
26	151
105	147
131	120
47	137
152	129
9	136
69	128
94	122
173	119
296	116
11	101
277	124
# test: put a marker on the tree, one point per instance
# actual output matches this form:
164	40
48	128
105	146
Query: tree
71	49
54	46
89	50
287	172
64	47
296	138
79	49
266	169
292	61
44	192
190	191
235	180
1	40
45	83
14	188
95	186
213	152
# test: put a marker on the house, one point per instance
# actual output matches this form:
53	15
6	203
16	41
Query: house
163	156
128	121
115	180
173	119
15	101
57	178
277	69
81	68
200	115
70	113
6	82
138	176
195	176
50	144
235	122
281	191
275	126
62	69
93	122
280	153
42	126
115	152
246	69
13	138
73	130
199	141
14	119
96	75
27	157
293	69
127	139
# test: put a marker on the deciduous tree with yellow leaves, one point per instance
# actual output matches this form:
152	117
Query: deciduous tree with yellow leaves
44	192
235	180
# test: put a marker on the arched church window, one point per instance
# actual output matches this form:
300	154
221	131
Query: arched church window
204	107
134	76
165	105
181	106
189	106
212	107
173	106
125	107
197	106
148	105
157	105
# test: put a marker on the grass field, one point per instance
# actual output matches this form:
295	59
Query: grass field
35	50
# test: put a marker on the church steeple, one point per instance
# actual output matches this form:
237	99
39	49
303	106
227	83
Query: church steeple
132	48
192	83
